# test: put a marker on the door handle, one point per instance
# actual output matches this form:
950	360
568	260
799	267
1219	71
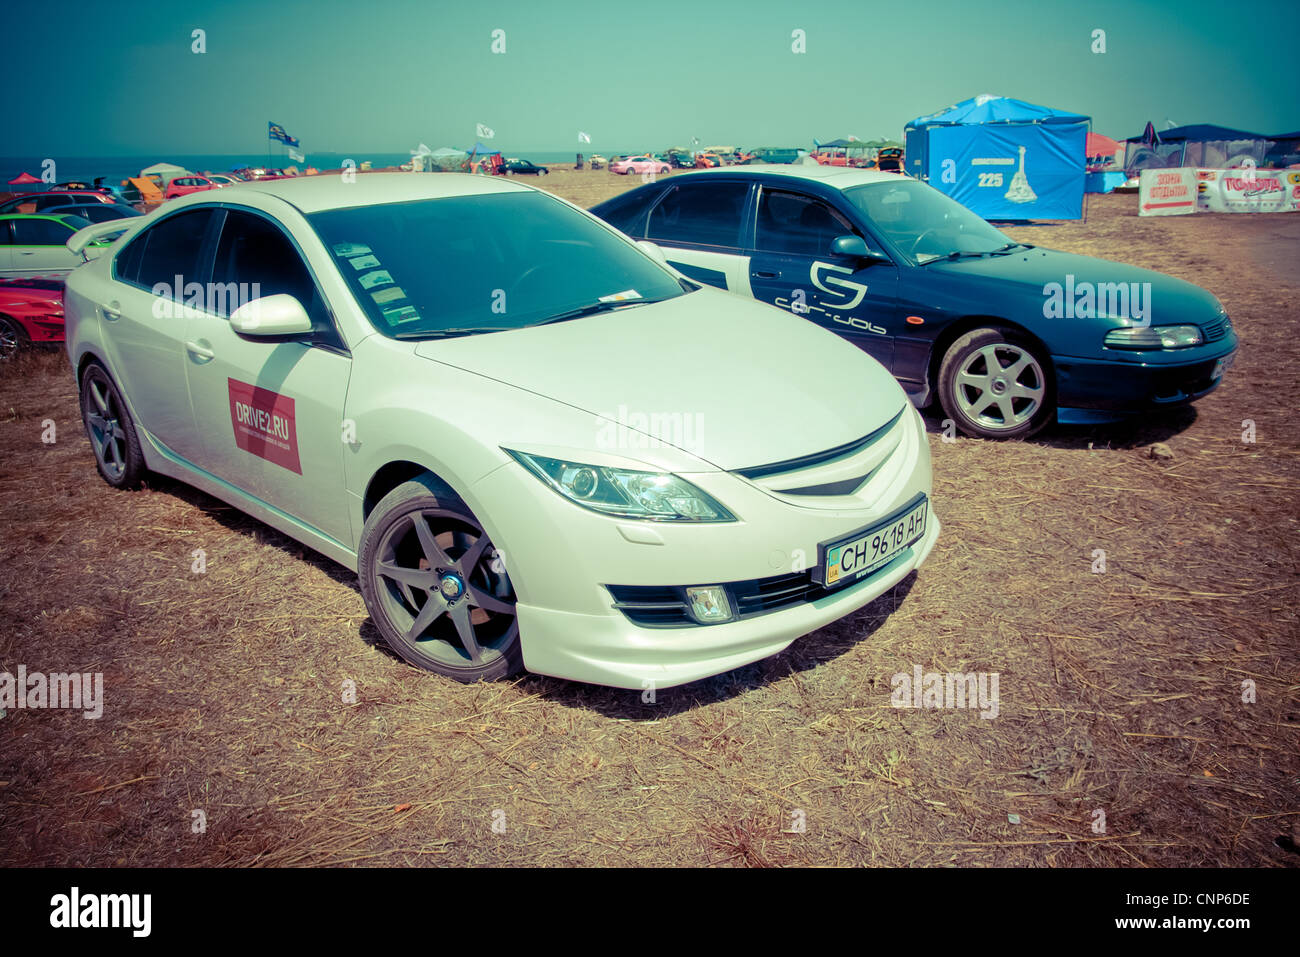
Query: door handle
27	252
112	311
762	274
199	352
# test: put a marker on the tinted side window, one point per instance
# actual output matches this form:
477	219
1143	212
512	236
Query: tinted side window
4	233
704	213
256	259
40	232
628	212
796	224
172	248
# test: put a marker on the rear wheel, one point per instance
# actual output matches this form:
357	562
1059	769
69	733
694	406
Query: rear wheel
110	429
436	586
994	384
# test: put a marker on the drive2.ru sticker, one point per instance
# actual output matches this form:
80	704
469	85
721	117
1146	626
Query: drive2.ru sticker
264	424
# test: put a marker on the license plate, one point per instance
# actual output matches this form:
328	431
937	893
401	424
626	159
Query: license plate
850	559
1222	366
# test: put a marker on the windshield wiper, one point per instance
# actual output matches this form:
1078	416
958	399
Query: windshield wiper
448	333
1004	250
592	308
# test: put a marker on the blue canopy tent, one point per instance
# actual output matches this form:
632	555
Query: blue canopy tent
1002	158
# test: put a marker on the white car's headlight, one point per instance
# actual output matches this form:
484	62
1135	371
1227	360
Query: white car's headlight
1154	337
651	496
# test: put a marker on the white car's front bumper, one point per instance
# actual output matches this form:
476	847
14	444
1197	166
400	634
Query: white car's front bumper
561	559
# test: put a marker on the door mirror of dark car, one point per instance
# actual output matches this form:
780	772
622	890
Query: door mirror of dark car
271	316
853	247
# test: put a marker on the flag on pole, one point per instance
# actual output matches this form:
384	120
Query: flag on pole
296	156
583	137
276	132
485	132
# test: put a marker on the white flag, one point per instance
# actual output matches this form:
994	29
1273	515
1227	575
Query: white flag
584	137
296	156
485	132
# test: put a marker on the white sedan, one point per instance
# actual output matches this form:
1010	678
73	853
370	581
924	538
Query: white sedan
538	445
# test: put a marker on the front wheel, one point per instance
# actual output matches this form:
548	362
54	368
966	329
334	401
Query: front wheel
436	587
994	384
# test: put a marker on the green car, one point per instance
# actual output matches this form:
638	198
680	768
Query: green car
35	245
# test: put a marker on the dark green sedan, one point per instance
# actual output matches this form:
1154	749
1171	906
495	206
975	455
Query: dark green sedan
1006	336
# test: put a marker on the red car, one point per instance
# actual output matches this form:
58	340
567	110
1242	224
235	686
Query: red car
31	311
184	185
40	202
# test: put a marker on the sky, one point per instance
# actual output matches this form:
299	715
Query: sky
387	75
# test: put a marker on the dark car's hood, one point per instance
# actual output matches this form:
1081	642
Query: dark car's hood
1045	273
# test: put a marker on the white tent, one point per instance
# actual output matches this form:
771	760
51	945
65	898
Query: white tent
166	172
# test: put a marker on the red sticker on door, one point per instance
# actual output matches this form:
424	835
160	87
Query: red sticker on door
264	424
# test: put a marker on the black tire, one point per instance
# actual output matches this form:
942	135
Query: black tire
13	338
1013	401
111	431
450	562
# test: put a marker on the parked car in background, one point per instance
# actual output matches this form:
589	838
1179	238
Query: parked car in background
223	179
514	166
184	185
31	311
639	164
597	161
36	245
499	513
768	154
96	212
40	202
957	310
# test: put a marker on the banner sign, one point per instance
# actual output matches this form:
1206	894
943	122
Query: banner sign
264	424
1248	190
1167	192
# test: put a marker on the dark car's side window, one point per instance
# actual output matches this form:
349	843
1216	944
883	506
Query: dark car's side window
628	212
256	259
40	232
705	213
797	225
168	249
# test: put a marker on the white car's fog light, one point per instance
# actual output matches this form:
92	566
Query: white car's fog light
709	604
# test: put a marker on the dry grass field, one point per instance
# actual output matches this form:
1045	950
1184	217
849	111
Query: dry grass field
1120	691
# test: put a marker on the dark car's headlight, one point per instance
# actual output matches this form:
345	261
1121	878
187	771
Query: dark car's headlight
1155	337
626	493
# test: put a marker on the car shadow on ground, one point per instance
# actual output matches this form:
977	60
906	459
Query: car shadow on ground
804	654
1139	431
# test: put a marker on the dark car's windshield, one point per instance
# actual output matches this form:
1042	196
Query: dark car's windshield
483	263
924	223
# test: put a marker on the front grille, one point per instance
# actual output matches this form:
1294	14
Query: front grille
818	458
1216	330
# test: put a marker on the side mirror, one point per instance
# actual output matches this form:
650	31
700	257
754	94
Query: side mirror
654	251
853	247
271	316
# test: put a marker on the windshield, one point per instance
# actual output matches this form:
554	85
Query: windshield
485	263
924	223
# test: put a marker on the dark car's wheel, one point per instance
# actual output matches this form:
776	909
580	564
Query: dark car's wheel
12	337
111	432
436	587
995	384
